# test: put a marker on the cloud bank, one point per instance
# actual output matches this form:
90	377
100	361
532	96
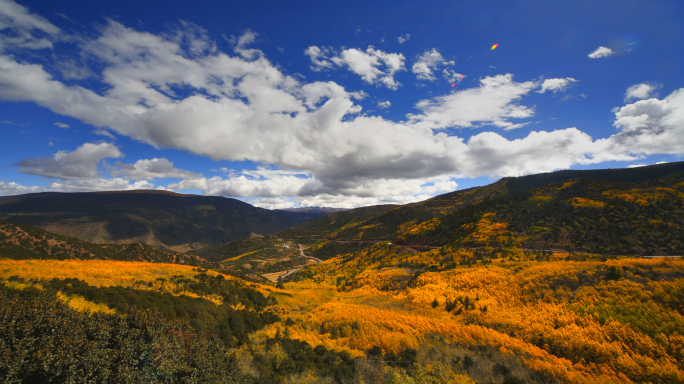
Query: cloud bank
177	90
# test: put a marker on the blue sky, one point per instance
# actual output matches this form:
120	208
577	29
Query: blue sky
337	104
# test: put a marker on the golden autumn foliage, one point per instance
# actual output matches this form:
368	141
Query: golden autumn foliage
82	305
582	202
500	294
487	231
642	196
239	256
541	199
574	321
107	273
405	227
409	230
93	272
592	321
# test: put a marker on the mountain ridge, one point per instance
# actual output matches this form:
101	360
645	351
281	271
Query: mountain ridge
164	219
402	224
20	241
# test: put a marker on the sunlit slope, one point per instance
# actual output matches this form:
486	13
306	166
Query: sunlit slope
159	218
396	222
97	272
180	292
545	317
589	215
18	241
114	321
448	315
616	211
384	221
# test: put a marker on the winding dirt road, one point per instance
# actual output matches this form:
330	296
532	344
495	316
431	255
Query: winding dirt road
301	252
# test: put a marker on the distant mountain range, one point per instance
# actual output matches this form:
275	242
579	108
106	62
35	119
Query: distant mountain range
18	241
163	219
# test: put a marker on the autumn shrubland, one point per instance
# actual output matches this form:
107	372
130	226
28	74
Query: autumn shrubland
558	320
384	314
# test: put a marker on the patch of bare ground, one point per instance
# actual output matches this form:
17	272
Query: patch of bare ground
274	276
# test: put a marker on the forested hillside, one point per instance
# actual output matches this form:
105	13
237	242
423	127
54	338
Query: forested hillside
329	224
587	215
113	321
159	218
256	258
19	241
621	211
506	315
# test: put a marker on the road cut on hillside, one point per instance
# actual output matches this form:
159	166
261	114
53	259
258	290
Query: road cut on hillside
283	274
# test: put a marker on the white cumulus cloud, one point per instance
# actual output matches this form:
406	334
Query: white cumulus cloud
94	185
384	104
272	203
452	76
404	38
12	188
241	43
649	127
22	29
601	52
150	169
428	62
493	102
556	85
79	185
641	91
319	58
373	65
80	163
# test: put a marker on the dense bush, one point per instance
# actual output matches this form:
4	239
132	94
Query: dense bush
231	325
42	340
301	357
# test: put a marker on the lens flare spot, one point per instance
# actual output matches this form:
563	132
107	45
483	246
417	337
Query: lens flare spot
494	46
453	84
